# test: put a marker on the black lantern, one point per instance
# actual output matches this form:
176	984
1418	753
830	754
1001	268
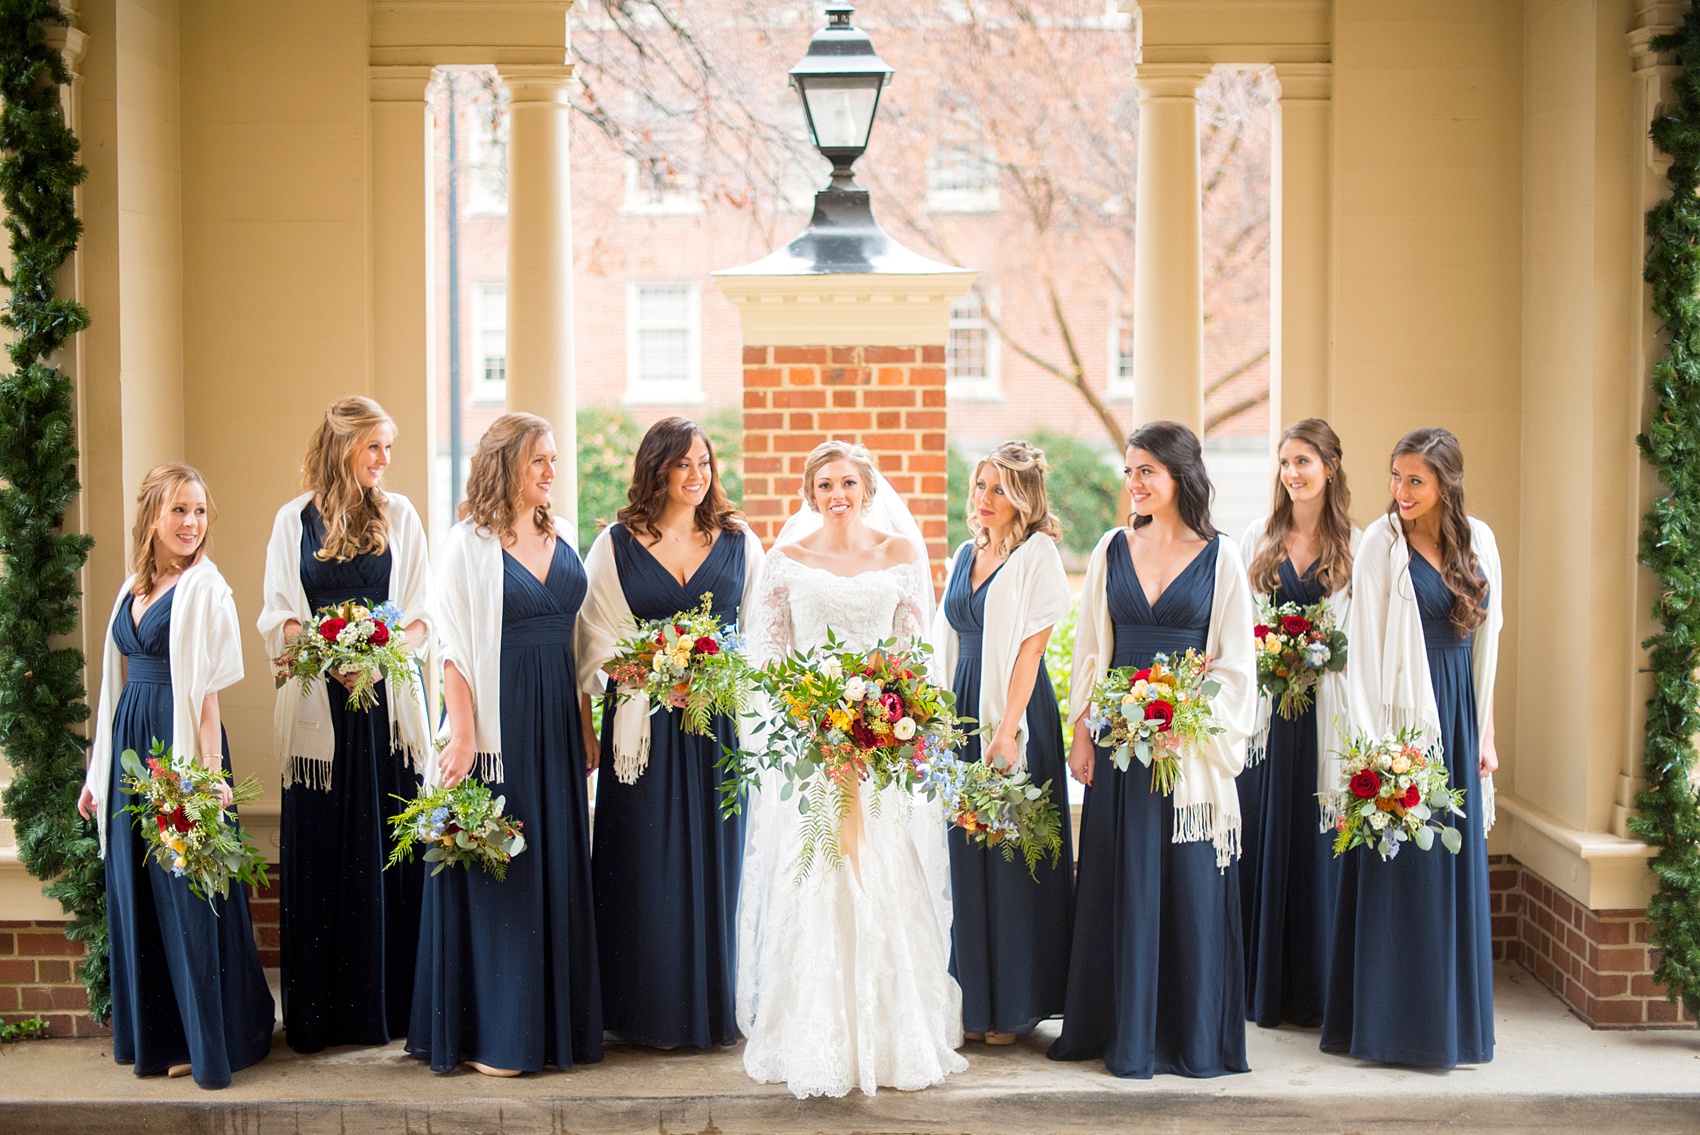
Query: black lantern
840	78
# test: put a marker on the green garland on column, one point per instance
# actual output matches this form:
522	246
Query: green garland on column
41	685
1670	537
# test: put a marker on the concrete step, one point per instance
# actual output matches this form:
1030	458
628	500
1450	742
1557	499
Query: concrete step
1550	1073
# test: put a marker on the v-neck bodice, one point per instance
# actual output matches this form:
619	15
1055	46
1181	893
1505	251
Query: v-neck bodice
365	577
1434	603
146	643
537	612
1303	590
653	592
1177	622
965	603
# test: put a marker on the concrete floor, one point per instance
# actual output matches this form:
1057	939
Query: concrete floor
1550	1072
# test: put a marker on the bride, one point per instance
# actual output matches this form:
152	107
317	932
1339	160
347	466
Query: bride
843	978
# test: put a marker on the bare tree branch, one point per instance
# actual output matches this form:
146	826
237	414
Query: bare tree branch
1223	380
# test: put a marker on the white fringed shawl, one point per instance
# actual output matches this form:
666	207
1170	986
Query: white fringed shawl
301	725
466	609
1331	714
1388	676
606	618
1206	803
206	657
1028	594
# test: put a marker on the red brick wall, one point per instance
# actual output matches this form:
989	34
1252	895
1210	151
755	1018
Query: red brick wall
1599	962
890	399
38	968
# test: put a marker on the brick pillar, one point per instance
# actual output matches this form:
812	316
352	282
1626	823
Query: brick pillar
890	399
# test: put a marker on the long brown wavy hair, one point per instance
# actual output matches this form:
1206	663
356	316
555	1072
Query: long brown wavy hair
158	487
666	442
493	483
1177	450
1022	468
357	519
1440	451
1334	529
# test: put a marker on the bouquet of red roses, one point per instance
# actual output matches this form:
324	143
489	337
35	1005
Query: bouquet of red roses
192	836
1295	647
352	638
1392	793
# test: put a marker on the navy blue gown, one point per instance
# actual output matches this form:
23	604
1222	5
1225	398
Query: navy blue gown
1156	981
350	929
1289	876
666	865
1412	976
1009	937
187	986
507	967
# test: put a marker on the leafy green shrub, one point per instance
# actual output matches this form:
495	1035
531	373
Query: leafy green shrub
1059	661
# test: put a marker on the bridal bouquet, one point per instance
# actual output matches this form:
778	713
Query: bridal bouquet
457	826
1155	713
353	638
690	654
1393	793
848	716
1295	647
191	836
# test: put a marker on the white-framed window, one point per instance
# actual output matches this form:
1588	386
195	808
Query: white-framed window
489	341
971	353
962	179
1120	371
663	341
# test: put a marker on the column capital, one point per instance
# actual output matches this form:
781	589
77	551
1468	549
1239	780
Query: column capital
398	82
1302	82
1170	80
536	82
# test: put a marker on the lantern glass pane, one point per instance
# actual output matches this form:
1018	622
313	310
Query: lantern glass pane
841	110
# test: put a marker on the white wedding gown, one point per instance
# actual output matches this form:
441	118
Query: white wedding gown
844	983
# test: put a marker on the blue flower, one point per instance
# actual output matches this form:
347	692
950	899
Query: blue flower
387	613
184	784
439	814
177	872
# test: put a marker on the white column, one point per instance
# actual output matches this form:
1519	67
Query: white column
1168	289
403	272
1300	370
540	260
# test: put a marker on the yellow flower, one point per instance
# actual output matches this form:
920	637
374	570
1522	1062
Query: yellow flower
840	719
1401	765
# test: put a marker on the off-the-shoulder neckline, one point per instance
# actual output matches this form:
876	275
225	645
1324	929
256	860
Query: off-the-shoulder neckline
793	561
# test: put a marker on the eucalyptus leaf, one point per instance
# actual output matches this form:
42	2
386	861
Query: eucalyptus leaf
1425	837
1453	839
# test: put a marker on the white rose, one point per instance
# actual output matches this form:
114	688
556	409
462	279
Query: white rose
904	728
831	669
855	688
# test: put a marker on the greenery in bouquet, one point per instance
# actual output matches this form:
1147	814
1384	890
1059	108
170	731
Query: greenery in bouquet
354	639
1003	810
1393	794
191	834
848	716
458	826
1296	646
690	655
1155	713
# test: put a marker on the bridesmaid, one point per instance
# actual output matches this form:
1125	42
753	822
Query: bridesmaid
1289	791
1427	605
665	866
350	929
507	977
188	994
1005	590
1156	982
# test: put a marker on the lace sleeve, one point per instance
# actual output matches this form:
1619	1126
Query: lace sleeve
770	634
913	616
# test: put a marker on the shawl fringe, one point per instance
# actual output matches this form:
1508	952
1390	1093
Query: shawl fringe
307	772
1257	745
488	767
629	764
1198	822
